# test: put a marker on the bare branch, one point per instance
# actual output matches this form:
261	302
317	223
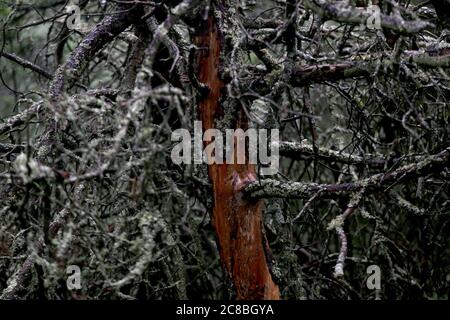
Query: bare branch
26	64
273	188
340	11
100	35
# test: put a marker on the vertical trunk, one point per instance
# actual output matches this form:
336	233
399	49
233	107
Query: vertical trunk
237	221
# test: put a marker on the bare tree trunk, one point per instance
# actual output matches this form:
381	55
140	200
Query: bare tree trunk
237	220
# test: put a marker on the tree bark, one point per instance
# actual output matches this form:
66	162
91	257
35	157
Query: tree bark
237	220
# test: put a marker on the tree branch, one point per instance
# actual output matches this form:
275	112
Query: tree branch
340	11
26	64
101	34
163	29
303	149
20	118
273	188
305	75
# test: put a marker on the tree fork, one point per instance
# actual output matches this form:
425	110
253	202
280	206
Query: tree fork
236	219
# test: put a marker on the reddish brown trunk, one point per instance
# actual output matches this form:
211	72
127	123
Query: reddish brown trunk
237	221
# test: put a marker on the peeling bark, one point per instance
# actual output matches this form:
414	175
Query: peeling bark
237	220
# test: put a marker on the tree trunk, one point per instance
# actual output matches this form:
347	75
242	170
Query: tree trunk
237	221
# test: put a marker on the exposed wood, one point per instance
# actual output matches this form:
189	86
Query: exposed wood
237	221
